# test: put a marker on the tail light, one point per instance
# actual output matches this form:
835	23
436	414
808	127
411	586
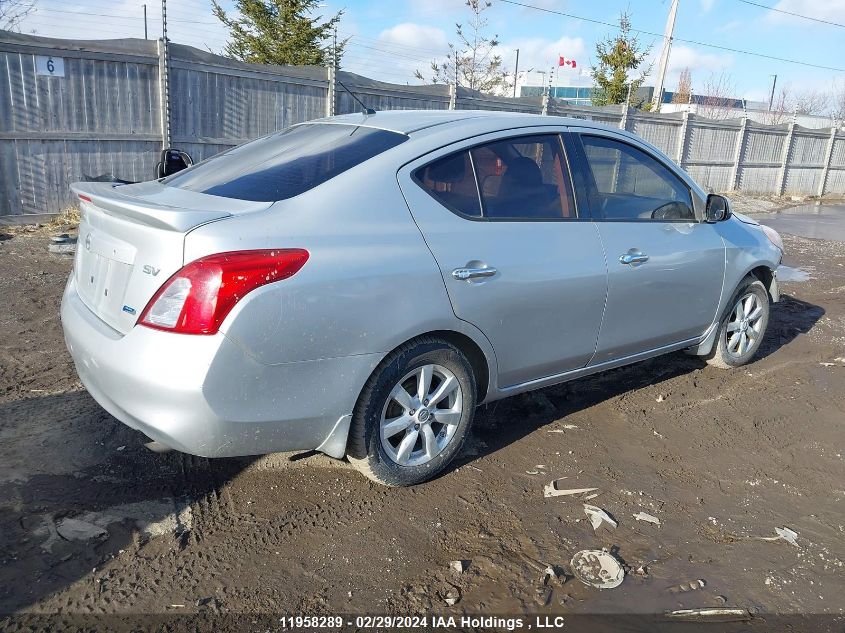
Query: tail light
197	298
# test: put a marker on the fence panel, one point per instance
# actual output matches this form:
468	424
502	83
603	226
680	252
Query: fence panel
836	171
98	116
710	152
660	130
806	161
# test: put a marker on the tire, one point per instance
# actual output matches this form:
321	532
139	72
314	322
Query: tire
395	447
729	352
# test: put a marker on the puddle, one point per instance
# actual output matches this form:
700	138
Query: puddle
819	221
788	273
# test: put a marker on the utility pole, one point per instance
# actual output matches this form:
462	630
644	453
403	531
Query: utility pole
772	95
664	56
516	72
145	22
164	79
334	48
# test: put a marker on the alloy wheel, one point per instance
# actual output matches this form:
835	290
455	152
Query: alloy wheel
421	415
745	325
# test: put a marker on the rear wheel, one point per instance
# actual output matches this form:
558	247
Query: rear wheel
414	413
743	327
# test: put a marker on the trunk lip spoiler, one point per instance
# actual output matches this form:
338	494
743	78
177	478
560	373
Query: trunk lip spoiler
107	198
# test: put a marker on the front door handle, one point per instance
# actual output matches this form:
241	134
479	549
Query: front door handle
633	258
467	274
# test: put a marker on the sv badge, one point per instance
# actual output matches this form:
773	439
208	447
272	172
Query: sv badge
149	270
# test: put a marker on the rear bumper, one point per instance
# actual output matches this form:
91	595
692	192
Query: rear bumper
204	395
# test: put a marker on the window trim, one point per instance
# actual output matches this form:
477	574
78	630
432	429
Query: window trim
592	188
557	132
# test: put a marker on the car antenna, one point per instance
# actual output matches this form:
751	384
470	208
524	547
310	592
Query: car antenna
364	109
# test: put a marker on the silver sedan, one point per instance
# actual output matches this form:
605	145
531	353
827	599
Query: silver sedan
359	284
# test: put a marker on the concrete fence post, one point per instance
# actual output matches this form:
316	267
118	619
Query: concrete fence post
828	156
740	147
623	122
682	140
453	97
545	105
784	160
331	92
164	91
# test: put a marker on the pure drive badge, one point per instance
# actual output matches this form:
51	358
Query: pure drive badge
129	309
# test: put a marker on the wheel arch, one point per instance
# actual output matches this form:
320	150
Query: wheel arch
769	279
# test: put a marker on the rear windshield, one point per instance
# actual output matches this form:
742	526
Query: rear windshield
286	163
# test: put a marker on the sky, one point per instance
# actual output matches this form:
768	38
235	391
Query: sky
388	40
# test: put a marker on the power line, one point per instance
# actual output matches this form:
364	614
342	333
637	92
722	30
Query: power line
796	15
679	39
118	17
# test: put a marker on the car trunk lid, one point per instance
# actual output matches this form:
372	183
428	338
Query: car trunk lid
131	240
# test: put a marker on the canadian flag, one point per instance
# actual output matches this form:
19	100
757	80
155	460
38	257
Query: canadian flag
562	61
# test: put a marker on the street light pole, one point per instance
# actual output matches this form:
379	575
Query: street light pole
516	72
145	22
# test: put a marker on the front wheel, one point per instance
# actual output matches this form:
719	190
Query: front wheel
741	330
414	413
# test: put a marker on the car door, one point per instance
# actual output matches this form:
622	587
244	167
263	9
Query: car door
518	258
665	266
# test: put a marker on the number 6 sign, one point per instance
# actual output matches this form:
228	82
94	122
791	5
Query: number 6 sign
50	66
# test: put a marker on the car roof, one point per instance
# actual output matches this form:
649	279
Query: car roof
411	121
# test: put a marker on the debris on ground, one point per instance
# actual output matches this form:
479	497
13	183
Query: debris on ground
597	568
459	566
643	516
452	596
598	516
77	530
685	587
567	427
62	244
783	534
660	398
552	489
710	615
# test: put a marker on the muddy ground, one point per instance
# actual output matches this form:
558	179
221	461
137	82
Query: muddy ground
722	458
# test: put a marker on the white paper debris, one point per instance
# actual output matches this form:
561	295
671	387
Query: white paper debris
598	516
642	516
549	490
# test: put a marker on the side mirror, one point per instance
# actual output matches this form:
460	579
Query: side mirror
172	161
718	208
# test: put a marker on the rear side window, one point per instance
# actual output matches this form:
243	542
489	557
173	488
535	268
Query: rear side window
287	163
451	182
632	185
519	178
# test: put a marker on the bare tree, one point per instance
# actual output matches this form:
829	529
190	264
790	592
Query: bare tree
837	102
718	96
684	92
780	112
13	11
473	60
813	102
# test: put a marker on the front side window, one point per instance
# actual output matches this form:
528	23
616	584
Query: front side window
631	185
514	179
287	163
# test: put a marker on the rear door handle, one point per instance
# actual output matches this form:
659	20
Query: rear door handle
632	258
467	274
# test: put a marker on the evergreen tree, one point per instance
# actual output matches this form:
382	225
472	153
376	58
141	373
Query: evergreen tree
618	55
280	32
